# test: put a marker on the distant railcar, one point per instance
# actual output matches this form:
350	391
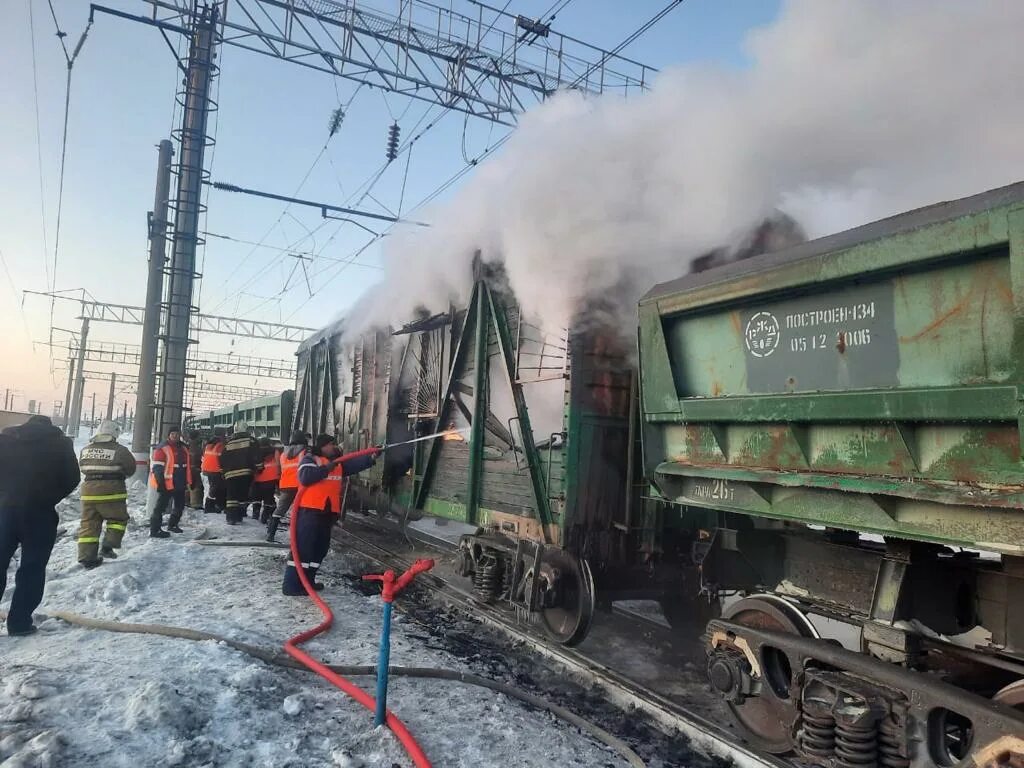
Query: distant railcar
268	416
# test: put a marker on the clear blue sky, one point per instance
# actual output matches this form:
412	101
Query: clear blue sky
271	124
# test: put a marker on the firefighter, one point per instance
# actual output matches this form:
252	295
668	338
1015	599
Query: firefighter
321	473
106	465
239	461
264	482
216	500
171	474
289	481
37	469
195	455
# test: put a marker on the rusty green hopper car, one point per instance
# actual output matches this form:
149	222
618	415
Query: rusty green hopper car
865	383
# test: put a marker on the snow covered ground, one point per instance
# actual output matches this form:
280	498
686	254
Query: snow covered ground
80	697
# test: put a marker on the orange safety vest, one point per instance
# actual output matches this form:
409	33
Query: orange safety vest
165	456
290	471
271	471
328	490
211	458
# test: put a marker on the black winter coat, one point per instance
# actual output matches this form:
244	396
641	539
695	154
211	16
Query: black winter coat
38	466
241	456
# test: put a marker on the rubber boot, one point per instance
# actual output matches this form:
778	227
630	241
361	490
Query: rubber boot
90	564
109	553
272	527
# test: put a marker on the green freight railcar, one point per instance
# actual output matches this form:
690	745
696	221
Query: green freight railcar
836	429
534	463
267	416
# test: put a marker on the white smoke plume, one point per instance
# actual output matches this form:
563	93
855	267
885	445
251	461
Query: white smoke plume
850	110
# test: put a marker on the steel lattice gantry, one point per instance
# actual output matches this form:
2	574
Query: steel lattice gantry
209	362
105	312
202	391
489	64
486	63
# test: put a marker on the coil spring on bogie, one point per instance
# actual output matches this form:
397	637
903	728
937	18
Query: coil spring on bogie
818	738
487	578
506	581
856	746
890	744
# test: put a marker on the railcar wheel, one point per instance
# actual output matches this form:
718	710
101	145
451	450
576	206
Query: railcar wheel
765	718
571	585
1012	695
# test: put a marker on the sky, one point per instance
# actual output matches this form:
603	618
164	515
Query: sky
270	128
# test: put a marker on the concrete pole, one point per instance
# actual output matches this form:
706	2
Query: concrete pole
145	392
124	417
187	208
7	397
79	393
67	396
92	416
110	397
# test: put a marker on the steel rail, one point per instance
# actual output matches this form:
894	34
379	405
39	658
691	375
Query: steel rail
625	693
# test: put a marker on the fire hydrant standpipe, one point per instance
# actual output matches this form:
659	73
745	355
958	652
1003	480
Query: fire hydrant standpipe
291	646
390	589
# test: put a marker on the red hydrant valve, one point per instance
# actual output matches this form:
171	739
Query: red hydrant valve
390	586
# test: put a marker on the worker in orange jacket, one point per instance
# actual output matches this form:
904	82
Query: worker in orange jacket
216	490
170	474
289	480
263	493
321	473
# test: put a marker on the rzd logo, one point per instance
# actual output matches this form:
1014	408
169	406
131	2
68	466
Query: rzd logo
762	334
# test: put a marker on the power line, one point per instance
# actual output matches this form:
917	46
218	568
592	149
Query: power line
70	58
472	163
323	150
632	37
39	145
14	290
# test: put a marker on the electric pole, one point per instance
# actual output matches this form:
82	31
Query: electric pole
145	393
76	398
187	207
92	416
67	395
110	397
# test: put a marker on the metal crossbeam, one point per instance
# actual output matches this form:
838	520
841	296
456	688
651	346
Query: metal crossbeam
489	64
209	362
105	312
204	391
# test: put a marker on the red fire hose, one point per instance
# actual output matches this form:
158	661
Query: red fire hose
412	748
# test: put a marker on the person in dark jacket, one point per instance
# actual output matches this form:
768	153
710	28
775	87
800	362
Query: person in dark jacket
38	468
170	474
239	461
289	480
195	454
321	473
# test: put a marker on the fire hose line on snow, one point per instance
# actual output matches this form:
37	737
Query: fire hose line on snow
291	646
271	657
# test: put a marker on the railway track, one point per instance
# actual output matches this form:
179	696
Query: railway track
621	690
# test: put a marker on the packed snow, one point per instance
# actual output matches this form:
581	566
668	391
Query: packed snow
80	697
